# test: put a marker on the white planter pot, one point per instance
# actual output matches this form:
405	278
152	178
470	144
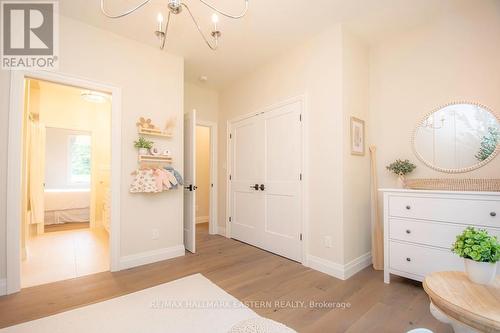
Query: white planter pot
143	151
480	272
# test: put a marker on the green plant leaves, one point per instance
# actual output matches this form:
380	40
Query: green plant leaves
401	168
143	143
478	245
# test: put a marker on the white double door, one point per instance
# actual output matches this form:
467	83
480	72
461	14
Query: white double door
265	185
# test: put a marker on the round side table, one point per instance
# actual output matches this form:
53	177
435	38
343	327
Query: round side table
467	306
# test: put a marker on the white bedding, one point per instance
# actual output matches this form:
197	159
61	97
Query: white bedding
62	205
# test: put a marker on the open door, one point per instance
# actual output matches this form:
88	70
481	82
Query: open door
190	181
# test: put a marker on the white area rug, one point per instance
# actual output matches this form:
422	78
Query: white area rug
189	305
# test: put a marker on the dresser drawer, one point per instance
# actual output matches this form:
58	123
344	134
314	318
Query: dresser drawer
428	233
467	211
420	260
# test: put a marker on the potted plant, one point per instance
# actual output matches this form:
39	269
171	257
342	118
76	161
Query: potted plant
481	252
143	145
401	169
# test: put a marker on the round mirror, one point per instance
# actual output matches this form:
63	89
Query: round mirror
458	137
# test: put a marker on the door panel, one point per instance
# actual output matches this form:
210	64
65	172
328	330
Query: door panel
283	144
247	170
267	150
190	179
283	208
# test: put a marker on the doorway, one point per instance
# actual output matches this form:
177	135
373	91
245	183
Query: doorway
66	178
200	190
26	214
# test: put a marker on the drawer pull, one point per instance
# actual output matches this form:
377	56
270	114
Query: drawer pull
493	214
408	207
408	231
408	259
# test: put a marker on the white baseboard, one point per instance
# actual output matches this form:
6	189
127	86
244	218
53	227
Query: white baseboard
221	230
202	219
150	257
325	266
3	287
357	265
339	271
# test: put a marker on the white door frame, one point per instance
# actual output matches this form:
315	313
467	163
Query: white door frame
304	164
14	162
212	224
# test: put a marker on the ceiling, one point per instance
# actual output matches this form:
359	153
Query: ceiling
270	27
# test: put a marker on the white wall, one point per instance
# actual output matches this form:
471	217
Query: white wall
455	58
152	86
4	132
356	169
203	99
314	69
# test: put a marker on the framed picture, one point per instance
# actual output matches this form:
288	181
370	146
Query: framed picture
357	137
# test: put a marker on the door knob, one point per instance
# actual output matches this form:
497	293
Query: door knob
262	187
255	187
190	188
493	214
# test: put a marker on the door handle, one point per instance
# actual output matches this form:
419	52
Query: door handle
255	187
262	187
191	188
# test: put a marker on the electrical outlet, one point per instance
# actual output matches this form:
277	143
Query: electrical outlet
155	234
328	242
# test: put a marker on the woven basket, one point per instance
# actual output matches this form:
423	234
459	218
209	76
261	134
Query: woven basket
483	185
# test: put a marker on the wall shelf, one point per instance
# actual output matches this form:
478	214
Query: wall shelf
154	132
155	159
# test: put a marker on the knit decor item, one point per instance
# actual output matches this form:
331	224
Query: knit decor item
260	325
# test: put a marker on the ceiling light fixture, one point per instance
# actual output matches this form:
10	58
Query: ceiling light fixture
93	96
175	7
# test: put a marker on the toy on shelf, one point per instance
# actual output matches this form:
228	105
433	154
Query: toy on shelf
145	126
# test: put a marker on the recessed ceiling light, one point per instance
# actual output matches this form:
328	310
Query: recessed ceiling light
203	78
93	96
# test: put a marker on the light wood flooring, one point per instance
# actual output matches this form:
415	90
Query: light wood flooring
249	274
62	255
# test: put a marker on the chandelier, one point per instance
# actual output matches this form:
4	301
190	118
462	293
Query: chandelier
176	7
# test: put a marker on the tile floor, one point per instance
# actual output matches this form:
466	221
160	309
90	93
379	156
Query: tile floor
62	255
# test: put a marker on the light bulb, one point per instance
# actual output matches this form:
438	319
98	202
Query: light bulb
160	18
160	21
215	18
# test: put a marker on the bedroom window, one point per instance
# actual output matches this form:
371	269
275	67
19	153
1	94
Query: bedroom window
79	159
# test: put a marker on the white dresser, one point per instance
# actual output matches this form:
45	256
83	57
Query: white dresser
421	226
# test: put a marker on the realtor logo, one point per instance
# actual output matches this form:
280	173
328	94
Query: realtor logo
29	34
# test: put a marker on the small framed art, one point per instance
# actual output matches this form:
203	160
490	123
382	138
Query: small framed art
357	136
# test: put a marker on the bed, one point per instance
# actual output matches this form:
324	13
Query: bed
66	206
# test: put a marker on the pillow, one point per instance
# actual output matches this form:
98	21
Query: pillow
260	325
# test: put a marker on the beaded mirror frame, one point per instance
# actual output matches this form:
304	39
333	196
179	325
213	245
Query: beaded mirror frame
456	170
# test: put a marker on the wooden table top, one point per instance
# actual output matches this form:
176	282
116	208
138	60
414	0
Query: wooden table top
473	304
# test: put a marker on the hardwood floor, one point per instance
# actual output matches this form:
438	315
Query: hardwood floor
62	255
249	274
66	226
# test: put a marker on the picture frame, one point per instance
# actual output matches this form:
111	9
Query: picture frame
357	137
